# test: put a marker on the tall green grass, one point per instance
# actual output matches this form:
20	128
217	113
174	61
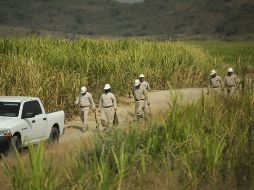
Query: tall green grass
54	69
229	51
35	173
206	144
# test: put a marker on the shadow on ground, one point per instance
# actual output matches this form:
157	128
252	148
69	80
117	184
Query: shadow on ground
75	127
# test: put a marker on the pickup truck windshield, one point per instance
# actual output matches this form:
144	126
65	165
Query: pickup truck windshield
9	109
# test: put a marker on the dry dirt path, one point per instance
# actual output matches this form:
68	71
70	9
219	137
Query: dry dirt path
160	103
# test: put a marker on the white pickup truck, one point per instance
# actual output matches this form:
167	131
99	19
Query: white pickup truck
23	120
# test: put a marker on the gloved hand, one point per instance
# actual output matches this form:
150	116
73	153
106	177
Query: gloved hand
148	103
115	109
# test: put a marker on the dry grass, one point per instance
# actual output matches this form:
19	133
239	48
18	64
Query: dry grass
180	152
194	145
55	69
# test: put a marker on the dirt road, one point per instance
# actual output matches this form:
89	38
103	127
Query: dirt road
160	103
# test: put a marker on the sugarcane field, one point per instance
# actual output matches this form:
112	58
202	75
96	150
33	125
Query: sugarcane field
126	94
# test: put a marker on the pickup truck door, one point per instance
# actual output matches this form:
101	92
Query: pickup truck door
36	121
40	127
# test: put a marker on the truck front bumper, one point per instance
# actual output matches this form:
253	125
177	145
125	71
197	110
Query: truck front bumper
4	143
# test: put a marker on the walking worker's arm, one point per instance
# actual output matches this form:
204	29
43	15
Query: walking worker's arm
131	93
91	101
77	100
221	82
146	96
148	87
114	100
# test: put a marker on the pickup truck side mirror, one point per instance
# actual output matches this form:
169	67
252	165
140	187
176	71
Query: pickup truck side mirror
28	115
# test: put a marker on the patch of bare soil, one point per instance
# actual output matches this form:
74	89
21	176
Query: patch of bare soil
160	103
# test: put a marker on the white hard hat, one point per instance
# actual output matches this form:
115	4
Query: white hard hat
137	82
106	87
142	76
230	70
213	72
83	89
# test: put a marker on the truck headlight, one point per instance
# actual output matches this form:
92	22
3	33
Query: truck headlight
5	132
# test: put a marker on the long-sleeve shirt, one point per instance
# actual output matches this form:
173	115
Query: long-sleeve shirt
85	100
146	85
231	81
140	93
107	100
215	82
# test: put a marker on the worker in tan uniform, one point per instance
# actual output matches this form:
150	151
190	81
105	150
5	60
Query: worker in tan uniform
85	101
140	97
107	107
215	84
144	83
232	82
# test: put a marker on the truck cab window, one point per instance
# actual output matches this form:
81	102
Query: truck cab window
9	109
37	107
32	107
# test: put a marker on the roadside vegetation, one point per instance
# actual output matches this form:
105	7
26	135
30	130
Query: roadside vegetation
198	146
204	145
231	52
55	69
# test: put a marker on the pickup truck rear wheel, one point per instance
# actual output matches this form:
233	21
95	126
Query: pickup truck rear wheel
15	143
54	135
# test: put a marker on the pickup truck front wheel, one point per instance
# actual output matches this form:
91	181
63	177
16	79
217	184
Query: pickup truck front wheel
15	144
54	135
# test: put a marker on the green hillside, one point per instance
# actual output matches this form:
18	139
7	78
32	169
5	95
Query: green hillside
202	19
